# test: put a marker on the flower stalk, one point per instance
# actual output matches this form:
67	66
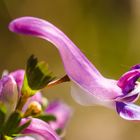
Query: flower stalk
23	99
58	81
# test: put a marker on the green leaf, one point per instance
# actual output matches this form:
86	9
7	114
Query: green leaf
8	138
2	117
26	90
22	127
12	123
37	76
47	118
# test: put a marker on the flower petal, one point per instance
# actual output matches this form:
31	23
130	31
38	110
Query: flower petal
30	137
84	98
131	99
61	111
128	111
137	66
128	81
41	128
18	75
77	66
8	93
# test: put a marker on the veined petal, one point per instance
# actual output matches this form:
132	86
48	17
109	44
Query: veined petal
128	80
77	66
128	111
83	97
61	111
41	128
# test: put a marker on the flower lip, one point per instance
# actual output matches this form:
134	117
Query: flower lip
128	81
131	96
128	111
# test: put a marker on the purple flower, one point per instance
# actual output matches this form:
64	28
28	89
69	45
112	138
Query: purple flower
88	85
61	111
57	108
38	130
10	88
8	93
18	75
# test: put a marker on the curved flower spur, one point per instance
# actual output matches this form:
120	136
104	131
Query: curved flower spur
88	85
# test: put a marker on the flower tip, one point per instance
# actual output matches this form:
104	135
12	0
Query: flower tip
20	25
12	26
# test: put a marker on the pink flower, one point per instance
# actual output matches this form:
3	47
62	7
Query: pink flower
61	111
38	130
88	85
8	93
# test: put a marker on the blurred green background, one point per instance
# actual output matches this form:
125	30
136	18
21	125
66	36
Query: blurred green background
107	31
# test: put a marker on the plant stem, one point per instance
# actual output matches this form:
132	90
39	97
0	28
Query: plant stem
59	81
21	102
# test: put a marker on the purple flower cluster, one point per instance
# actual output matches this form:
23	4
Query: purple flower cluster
88	85
10	93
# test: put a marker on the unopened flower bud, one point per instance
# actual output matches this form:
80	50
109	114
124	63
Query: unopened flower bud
8	93
33	109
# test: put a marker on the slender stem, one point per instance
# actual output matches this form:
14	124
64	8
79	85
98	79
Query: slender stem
59	81
21	102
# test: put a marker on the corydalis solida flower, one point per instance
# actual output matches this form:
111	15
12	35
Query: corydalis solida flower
88	85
